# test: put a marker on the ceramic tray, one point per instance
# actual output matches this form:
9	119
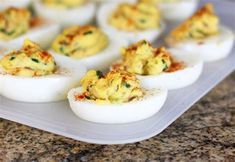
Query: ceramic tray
59	119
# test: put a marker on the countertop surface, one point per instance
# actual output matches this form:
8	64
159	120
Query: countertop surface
205	132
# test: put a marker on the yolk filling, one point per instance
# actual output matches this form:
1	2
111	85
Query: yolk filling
115	87
78	42
135	17
14	22
29	61
202	24
141	58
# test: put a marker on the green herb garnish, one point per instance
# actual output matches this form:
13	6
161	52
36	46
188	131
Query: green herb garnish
142	20
6	32
11	32
99	74
165	67
201	32
2	30
190	35
76	49
127	85
145	42
87	33
12	58
35	60
87	97
62	49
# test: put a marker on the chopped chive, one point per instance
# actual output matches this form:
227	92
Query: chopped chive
127	85
165	67
35	60
190	35
87	33
62	49
2	30
87	97
201	32
99	74
142	20
10	33
76	49
145	42
12	58
6	32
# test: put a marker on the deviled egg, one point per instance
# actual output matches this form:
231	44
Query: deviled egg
114	98
175	10
202	34
31	74
17	24
4	4
129	21
66	12
159	67
89	45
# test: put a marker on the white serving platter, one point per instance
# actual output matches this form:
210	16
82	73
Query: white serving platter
59	119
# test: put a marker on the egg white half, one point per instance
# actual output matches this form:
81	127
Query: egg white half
42	34
118	113
102	60
81	15
210	49
106	10
179	10
48	88
177	79
4	4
